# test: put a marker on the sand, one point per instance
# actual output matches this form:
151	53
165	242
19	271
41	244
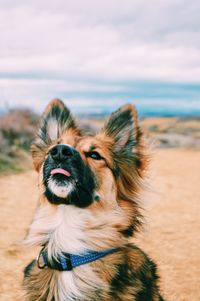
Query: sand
171	234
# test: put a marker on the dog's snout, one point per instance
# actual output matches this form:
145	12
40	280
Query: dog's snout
61	152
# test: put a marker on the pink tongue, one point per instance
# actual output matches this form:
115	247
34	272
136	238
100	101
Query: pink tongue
60	171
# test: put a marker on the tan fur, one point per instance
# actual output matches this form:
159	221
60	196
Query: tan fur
52	103
69	136
42	286
102	225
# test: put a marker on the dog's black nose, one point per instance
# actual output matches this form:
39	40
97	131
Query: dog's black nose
61	152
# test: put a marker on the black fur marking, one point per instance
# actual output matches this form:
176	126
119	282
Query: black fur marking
29	268
148	282
81	178
129	231
116	172
143	279
122	278
138	162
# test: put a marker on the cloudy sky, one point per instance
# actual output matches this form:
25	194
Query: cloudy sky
91	52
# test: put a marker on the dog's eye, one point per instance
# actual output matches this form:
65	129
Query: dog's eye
94	155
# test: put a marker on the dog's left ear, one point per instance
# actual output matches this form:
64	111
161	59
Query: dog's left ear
55	121
126	145
123	128
124	140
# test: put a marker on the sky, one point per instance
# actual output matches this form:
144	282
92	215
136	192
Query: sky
99	53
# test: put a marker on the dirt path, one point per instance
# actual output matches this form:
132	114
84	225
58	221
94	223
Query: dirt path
171	235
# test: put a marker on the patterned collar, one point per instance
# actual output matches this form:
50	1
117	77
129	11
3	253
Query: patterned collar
66	261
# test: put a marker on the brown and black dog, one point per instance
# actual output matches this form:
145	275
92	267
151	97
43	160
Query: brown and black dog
88	210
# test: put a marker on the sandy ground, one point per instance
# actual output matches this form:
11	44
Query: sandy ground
171	235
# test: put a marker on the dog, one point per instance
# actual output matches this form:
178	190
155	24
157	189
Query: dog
88	210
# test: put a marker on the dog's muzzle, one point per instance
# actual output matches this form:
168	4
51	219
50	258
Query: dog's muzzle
67	178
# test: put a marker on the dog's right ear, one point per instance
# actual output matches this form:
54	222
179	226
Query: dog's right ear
55	121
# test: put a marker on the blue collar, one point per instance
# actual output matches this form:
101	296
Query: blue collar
66	261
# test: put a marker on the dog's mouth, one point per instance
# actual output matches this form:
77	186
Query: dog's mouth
60	183
60	171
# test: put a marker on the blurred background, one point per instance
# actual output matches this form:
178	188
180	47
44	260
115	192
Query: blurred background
96	56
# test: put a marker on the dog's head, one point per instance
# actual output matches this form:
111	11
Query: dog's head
103	170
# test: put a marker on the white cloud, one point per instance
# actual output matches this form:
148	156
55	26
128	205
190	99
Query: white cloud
113	40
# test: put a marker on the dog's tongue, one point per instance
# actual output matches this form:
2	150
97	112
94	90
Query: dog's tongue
60	171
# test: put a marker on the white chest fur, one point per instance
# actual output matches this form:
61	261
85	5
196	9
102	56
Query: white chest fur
62	228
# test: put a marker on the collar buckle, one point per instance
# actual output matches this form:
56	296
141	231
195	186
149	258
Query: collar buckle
41	264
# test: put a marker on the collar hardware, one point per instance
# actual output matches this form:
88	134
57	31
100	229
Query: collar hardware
41	263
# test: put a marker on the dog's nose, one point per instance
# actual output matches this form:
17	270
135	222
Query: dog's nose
61	152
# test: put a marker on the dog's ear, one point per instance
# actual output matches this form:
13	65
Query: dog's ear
122	127
127	148
128	161
55	120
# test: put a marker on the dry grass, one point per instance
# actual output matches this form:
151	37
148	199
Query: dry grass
171	236
172	131
17	130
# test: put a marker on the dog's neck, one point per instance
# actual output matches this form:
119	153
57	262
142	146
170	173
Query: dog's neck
60	228
74	230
